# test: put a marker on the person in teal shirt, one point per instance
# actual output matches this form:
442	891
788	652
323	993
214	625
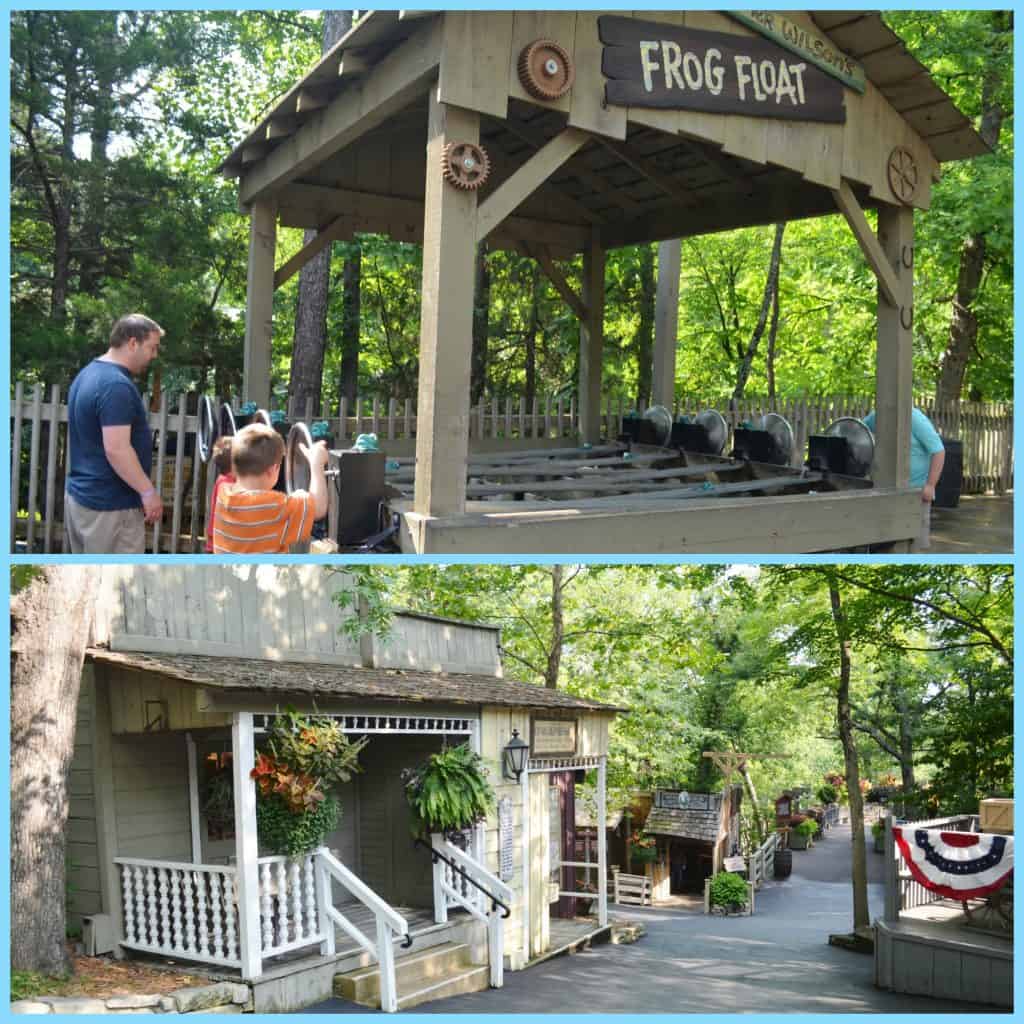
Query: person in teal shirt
927	453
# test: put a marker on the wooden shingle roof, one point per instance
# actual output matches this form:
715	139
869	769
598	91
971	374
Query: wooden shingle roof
343	681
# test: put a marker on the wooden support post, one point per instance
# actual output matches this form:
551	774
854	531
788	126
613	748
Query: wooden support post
106	813
894	394
446	321
524	852
246	848
891	907
259	303
324	900
592	341
602	842
440	899
666	323
386	963
193	798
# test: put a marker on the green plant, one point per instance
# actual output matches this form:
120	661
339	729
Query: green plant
728	890
807	828
449	791
283	831
643	848
827	793
219	800
315	747
878	829
29	985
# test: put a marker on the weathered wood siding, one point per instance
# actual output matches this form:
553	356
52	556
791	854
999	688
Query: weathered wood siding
130	690
151	797
81	847
436	645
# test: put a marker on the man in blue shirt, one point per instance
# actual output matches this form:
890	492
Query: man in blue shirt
109	496
927	457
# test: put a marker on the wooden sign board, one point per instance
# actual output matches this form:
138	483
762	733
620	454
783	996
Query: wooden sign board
553	737
804	42
734	864
677	68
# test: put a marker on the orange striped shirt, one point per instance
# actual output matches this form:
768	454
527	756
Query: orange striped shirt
260	522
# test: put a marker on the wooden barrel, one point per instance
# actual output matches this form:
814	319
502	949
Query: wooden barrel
951	483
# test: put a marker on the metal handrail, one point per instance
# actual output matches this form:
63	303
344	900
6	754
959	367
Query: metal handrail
436	855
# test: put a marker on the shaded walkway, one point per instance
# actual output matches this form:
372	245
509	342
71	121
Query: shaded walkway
776	961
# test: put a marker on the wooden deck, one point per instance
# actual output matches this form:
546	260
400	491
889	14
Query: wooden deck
569	936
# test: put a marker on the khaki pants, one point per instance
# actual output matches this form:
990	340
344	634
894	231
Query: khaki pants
924	539
90	531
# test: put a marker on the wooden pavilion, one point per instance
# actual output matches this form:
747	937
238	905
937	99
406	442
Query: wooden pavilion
560	133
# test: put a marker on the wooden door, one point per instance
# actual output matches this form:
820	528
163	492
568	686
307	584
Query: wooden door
562	838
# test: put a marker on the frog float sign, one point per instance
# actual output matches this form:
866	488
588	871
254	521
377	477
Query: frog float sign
647	64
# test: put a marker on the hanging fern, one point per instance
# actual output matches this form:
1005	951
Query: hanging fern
449	792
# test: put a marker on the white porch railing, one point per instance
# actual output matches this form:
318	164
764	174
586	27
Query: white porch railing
631	889
761	863
289	917
452	886
181	910
390	923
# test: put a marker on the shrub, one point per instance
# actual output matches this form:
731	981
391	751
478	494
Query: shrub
728	890
827	793
449	791
808	827
878	828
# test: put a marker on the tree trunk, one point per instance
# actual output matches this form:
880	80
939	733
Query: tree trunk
481	322
861	918
351	277
531	336
51	622
906	742
557	629
963	324
769	299
752	794
305	382
645	329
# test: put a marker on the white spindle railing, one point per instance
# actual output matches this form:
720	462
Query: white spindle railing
761	864
454	888
182	910
390	924
287	898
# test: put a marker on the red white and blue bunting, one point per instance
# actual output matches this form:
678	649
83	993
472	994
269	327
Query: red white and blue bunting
958	865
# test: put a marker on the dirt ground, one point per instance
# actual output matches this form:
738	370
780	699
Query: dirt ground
100	976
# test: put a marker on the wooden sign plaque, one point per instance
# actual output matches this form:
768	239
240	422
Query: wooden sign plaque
677	68
553	737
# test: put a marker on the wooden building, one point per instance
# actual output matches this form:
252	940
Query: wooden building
189	665
558	133
696	832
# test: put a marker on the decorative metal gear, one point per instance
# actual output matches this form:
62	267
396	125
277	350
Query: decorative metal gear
465	165
903	174
546	70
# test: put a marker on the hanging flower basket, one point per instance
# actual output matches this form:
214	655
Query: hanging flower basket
449	792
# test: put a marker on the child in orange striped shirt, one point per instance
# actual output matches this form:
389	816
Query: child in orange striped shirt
252	518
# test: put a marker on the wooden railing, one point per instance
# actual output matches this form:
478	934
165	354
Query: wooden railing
180	910
39	446
460	878
761	863
288	904
632	890
390	923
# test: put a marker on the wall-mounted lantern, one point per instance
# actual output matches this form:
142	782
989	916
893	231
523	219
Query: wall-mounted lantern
514	757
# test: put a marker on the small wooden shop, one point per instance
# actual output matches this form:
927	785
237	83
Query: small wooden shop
562	133
190	668
696	832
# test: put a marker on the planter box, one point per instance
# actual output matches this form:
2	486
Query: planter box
798	842
707	897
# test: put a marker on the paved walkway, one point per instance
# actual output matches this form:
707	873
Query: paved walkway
777	961
981	524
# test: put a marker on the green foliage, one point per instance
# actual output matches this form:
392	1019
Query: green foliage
282	831
878	829
448	792
827	794
219	800
30	985
729	890
314	746
807	828
365	594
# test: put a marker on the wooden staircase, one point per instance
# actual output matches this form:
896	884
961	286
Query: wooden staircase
420	976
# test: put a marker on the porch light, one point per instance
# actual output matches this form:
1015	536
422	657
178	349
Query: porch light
514	756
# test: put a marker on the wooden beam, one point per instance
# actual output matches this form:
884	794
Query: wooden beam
402	75
526	179
446	320
850	209
592	342
307	100
666	324
894	392
259	304
647	168
338	228
355	62
542	255
281	127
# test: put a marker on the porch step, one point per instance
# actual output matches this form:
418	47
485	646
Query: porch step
435	973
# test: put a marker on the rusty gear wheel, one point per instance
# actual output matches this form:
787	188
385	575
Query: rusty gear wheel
465	165
903	174
546	70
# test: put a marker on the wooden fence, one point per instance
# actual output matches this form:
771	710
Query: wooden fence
39	446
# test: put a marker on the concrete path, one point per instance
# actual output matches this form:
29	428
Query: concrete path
777	961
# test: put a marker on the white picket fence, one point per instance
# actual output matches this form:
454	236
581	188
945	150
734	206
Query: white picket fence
39	445
761	863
